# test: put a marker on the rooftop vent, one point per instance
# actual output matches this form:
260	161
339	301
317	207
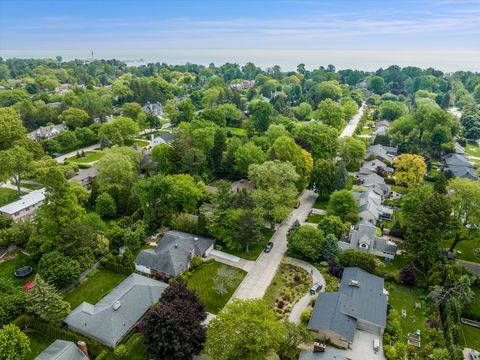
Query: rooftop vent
195	238
116	305
354	283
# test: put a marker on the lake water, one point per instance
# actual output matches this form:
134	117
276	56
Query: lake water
448	60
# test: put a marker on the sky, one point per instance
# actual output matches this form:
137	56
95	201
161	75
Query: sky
441	31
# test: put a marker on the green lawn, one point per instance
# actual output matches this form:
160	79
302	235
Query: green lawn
472	148
94	288
89	157
136	349
321	202
7	269
38	343
402	297
254	249
237	131
203	280
367	131
7	196
142	143
32	186
474	308
472	337
314	218
465	249
399	189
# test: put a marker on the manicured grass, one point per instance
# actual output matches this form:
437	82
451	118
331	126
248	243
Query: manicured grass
472	148
399	189
89	157
466	250
367	131
32	186
142	143
474	308
254	250
38	343
321	202
285	287
94	288
7	196
203	281
314	218
7	269
472	337
237	131
136	349
404	298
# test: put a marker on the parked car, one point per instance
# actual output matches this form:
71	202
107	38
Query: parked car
268	247
474	355
297	205
315	288
376	345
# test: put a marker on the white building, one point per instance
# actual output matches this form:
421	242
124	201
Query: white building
25	207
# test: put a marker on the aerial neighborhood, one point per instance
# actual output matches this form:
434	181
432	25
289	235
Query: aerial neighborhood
238	212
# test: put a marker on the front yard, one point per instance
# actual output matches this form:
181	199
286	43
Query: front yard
90	156
314	218
205	280
472	148
288	286
321	202
7	196
254	250
97	285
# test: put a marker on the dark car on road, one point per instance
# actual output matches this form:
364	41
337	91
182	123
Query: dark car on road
268	247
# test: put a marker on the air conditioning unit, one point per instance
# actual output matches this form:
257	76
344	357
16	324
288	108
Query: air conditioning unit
354	283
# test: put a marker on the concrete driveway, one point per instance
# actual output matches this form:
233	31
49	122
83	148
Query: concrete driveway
261	274
353	123
362	347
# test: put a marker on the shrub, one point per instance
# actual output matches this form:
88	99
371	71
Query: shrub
196	262
58	270
280	304
306	315
105	205
407	276
120	351
363	260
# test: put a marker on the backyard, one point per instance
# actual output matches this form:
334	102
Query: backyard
254	250
97	285
90	156
38	343
8	267
7	196
204	280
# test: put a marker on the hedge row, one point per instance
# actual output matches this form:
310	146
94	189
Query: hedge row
118	268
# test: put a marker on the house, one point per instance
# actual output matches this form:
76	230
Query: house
359	304
64	350
163	138
370	206
460	166
380	152
240	185
47	132
374	167
376	182
25	207
242	85
173	254
86	176
329	354
153	109
110	319
363	237
380	129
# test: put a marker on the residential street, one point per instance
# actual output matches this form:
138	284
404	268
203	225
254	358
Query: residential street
352	125
259	277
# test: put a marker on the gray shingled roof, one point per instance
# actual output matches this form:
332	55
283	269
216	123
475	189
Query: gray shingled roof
62	350
108	326
172	255
456	160
329	354
339	311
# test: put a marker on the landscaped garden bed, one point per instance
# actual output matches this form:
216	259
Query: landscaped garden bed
288	286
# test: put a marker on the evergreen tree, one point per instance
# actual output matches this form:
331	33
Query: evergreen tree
330	248
104	143
219	146
44	300
341	176
248	229
440	185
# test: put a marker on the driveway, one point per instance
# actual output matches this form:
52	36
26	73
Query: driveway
303	302
352	125
261	274
231	260
362	347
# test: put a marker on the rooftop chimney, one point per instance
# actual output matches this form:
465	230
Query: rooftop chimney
116	305
317	347
83	347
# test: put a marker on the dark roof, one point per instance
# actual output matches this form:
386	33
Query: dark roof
329	354
456	160
62	350
173	253
91	172
105	324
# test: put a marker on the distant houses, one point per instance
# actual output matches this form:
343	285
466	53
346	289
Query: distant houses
173	254
109	320
153	109
86	176
459	166
380	152
158	139
47	132
359	304
25	207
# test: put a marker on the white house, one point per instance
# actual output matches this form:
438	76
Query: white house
25	207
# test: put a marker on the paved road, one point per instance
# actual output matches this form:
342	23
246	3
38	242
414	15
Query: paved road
259	277
303	302
352	125
475	267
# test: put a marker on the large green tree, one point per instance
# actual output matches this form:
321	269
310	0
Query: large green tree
261	114
306	241
322	139
120	131
11	128
15	163
74	118
330	113
14	344
342	204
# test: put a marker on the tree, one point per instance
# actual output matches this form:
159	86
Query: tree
330	248
323	177
224	280
44	300
248	229
332	224
105	205
407	276
273	204
322	139
361	259
326	90
392	110
307	241
330	113
376	84
219	147
74	118
247	155
15	162
120	131
410	170
11	128
261	114
414	197
173	328
14	344
245	329
12	301
341	176
342	203
465	200
58	270
223	226
135	112
294	335
352	151
273	174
